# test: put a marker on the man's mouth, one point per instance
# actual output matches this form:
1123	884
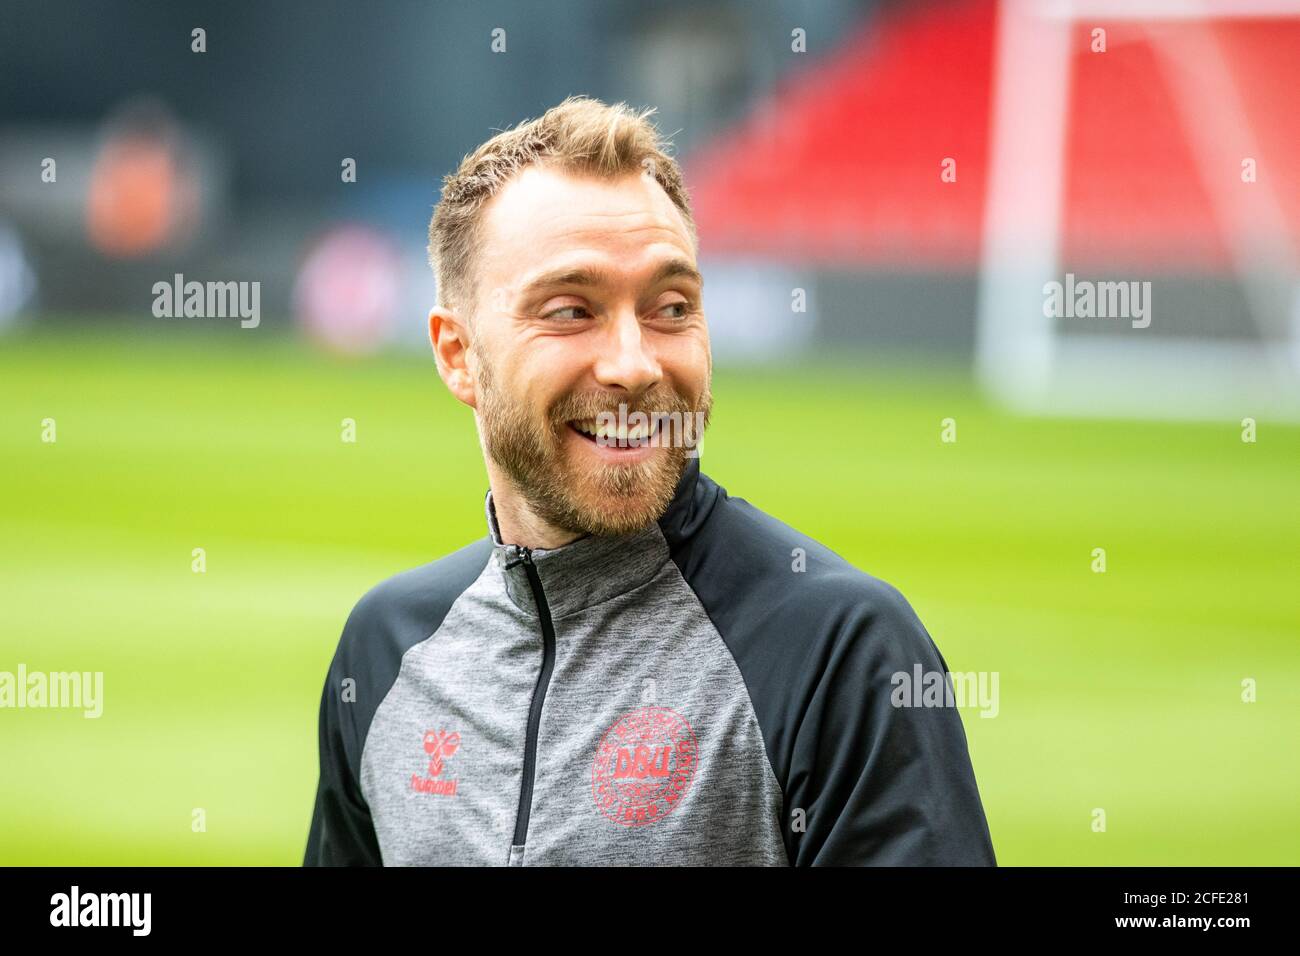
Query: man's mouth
614	435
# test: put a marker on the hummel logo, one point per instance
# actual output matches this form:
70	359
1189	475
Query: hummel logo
438	744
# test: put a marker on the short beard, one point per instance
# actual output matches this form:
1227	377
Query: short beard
618	499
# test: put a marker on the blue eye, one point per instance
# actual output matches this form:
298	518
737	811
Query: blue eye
684	306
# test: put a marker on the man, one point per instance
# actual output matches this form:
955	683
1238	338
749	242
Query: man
631	667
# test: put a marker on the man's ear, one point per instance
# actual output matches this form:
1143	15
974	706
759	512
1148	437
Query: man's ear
450	340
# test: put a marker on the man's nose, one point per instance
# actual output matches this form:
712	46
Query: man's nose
626	360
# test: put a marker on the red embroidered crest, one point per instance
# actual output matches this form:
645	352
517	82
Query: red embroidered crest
643	766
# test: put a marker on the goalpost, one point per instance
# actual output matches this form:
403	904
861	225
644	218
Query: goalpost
1029	361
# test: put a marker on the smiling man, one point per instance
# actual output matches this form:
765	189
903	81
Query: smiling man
631	666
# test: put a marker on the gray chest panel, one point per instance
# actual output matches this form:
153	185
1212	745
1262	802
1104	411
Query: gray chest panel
648	750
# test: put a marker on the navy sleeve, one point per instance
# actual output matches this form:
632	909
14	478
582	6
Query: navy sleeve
341	831
818	643
881	783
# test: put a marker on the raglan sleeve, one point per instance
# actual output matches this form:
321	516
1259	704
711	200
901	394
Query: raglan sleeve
342	832
882	778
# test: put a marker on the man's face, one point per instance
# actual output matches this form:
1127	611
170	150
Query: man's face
590	300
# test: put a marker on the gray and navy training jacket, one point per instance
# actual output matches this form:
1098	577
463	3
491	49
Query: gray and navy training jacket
713	690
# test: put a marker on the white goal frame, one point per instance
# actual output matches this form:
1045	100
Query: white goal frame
1022	358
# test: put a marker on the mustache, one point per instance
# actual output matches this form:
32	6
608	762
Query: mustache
591	405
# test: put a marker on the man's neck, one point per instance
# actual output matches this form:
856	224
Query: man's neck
516	522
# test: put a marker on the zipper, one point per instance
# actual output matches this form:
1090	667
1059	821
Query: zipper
524	556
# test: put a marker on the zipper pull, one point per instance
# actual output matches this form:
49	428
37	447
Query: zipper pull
522	556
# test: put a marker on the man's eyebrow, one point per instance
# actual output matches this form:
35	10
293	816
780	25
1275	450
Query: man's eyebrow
588	276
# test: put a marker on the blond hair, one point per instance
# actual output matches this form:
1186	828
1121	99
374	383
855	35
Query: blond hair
581	135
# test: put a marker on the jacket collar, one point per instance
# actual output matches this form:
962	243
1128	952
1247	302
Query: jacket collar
595	568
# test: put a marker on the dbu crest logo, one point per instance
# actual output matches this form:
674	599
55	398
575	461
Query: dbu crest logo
644	765
439	745
642	762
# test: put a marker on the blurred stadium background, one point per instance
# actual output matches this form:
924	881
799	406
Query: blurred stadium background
919	172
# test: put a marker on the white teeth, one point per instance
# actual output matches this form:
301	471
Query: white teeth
616	432
613	432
